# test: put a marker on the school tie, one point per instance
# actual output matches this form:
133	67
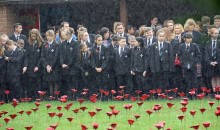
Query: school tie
214	49
98	50
17	38
160	49
187	48
138	49
120	51
177	37
84	55
148	42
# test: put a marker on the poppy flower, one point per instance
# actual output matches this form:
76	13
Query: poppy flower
177	61
113	125
54	126
13	116
182	94
217	97
184	103
52	98
95	126
200	96
162	95
67	107
208	91
51	114
195	127
167	91
70	104
186	99
115	112
126	96
127	107
152	92
206	124
183	109
101	90
218	107
92	113
140	103
76	111
10	128
70	119
130	122
170	98
203	89
98	109
37	104
7	92
59	108
181	117
159	90
28	127
21	112
121	92
157	107
112	107
59	115
113	92
83	108
35	109
48	106
106	93
118	98
133	99
192	112
74	90
93	98
80	101
159	125
202	110
217	113
138	91
211	103
28	112
175	90
14	104
109	114
137	116
121	87
84	127
39	99
149	112
6	120
217	89
63	100
192	92
57	92
41	93
144	97
170	104
2	103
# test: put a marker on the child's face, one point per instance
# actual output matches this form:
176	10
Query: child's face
131	31
120	29
50	38
215	34
197	28
132	42
99	41
177	30
85	36
170	26
18	29
188	40
33	36
20	45
9	47
63	35
217	22
3	41
122	42
161	37
106	35
154	21
191	27
149	34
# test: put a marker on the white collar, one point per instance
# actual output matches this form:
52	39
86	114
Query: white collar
17	35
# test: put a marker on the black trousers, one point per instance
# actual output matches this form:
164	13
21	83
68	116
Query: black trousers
161	80
14	85
190	80
34	85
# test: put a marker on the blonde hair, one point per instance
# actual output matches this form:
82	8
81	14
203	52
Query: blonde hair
80	31
10	42
4	36
2	49
180	26
212	30
38	36
167	33
188	23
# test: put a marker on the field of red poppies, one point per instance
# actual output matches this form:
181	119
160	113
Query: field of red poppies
170	110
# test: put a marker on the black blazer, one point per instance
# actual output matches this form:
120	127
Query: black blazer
191	57
153	41
122	63
22	36
85	62
161	63
111	51
208	52
15	62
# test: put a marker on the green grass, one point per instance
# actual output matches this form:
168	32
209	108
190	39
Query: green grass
41	120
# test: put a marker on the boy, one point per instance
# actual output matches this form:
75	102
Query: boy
149	37
217	22
17	33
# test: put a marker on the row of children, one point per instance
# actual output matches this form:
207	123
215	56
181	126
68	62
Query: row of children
145	62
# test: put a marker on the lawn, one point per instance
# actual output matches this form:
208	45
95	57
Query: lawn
127	110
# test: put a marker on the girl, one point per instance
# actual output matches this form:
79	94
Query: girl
49	59
2	72
34	68
104	32
212	57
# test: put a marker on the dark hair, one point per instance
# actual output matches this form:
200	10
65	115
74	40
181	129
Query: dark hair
115	38
62	24
103	31
187	35
140	41
129	27
120	38
17	24
97	36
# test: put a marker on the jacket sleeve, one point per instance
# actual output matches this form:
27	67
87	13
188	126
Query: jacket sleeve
55	58
18	58
42	59
106	60
171	57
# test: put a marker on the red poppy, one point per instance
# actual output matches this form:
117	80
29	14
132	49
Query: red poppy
144	97
121	92
170	104
126	96
109	114
51	114
140	103
106	93
184	103
183	109
138	91
162	95
6	120
14	104
67	107
92	113
159	125
170	98
80	101
63	100
200	96
39	99
28	127
217	97
28	112
175	90
84	127
13	116
192	92
121	87
152	92
158	90
7	92
35	109
113	92
98	109
112	107
218	107
115	112
157	107
48	106
130	122
2	103
52	98
101	90
93	98
74	90
181	117
128	106
10	128
211	103
203	89
133	99
217	89
70	104
76	111
54	126
192	112
149	112
37	104
182	94
167	91
57	92
95	126
41	93
217	113
186	99
83	108
177	61
59	108
70	119
118	98
206	124
59	115
113	125
195	127
21	112
208	91
202	110
137	116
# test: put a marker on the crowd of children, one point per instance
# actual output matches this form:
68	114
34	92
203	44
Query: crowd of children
153	57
